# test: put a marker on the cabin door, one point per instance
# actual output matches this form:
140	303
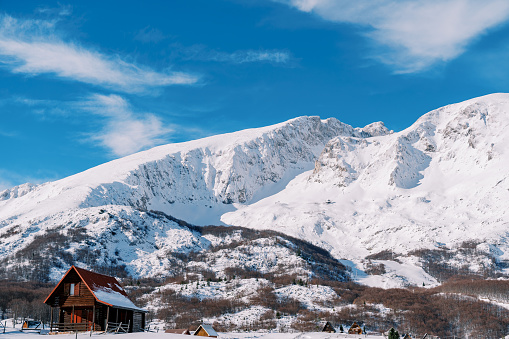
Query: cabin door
78	316
90	315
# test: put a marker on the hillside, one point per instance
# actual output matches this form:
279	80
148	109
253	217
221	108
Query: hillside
439	185
103	217
411	207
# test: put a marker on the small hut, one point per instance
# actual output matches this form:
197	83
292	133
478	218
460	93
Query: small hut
88	301
407	336
355	329
178	331
205	330
326	326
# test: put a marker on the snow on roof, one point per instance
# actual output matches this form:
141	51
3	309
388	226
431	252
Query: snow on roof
208	328
106	289
109	296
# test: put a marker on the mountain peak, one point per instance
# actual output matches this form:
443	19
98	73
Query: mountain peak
352	191
375	129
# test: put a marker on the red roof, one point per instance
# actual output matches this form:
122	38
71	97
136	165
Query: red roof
96	281
105	289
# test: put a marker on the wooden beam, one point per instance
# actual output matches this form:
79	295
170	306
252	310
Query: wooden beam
107	319
51	320
93	319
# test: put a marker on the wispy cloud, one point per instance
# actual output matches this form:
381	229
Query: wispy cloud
8	134
33	47
414	35
5	183
125	131
202	53
241	57
10	178
61	10
117	125
150	35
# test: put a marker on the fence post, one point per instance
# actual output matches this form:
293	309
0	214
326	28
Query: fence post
118	327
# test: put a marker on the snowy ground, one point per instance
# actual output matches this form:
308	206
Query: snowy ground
16	334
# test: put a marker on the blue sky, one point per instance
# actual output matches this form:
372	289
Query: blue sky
87	82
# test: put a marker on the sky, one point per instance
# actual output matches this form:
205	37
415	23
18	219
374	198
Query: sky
86	82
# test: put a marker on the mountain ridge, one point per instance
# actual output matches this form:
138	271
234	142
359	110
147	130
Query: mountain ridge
197	164
353	191
404	191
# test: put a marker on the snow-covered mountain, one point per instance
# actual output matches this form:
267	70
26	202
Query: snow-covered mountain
439	183
356	192
196	181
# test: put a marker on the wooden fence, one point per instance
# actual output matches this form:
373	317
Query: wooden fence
118	327
71	327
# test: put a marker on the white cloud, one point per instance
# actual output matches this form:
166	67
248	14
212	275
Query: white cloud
201	52
416	34
124	132
240	57
33	47
61	10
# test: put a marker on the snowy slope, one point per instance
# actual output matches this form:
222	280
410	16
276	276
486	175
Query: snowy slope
438	183
355	192
196	181
104	209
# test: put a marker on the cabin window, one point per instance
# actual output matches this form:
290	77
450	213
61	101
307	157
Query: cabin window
73	289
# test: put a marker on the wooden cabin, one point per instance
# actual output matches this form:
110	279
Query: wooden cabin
355	329
326	326
90	301
205	330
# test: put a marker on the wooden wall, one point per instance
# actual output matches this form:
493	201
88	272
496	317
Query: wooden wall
138	321
60	297
66	315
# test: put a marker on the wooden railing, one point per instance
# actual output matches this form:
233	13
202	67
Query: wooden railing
83	327
118	327
71	327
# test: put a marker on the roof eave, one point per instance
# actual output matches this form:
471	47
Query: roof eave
55	288
122	307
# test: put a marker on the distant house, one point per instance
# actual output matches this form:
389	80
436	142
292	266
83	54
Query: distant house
205	330
407	336
355	329
327	327
178	331
92	301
